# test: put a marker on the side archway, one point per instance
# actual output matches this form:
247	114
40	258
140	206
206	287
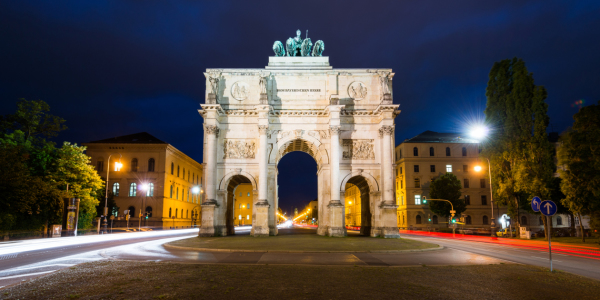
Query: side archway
371	181
229	187
224	182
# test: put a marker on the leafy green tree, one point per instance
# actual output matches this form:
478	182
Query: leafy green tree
113	209
518	149
73	168
579	164
446	187
32	118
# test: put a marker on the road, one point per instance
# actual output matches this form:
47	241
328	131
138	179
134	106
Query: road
23	260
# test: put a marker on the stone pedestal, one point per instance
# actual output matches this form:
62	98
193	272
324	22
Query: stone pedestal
386	99
264	99
389	221
208	227
336	220
260	220
211	99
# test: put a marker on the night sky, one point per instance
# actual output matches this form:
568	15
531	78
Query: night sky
121	67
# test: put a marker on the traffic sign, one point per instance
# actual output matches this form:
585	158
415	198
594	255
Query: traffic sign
535	203
548	208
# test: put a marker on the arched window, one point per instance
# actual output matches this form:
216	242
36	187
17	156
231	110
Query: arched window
464	151
416	151
150	191
133	189
435	219
468	220
417	183
418	219
177	194
151	163
149	211
447	151
172	168
170	212
177	171
558	220
176	212
171	194
116	188
134	165
523	220
182	194
485	220
100	165
541	222
131	211
431	151
188	195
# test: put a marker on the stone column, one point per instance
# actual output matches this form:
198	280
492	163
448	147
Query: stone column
261	223
336	208
389	219
210	178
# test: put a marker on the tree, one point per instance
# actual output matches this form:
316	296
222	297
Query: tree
578	158
33	119
518	148
446	187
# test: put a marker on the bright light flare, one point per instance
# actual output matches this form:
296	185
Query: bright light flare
195	190
479	132
477	168
118	166
144	187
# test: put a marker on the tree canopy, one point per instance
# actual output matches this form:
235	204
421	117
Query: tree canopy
446	187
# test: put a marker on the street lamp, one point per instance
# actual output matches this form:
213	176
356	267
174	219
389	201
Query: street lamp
196	190
118	166
144	189
480	132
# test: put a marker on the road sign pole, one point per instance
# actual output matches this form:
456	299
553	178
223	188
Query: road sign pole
549	241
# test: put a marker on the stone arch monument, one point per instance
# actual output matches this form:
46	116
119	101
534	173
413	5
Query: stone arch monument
343	118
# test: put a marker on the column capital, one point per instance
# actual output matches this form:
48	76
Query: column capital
334	130
212	129
263	129
386	130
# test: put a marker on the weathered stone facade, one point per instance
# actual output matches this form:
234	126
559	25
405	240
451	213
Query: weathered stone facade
343	118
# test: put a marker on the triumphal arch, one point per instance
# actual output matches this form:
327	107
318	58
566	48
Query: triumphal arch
343	118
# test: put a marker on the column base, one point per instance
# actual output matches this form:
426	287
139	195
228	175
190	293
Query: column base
260	219
208	227
389	222
322	230
336	226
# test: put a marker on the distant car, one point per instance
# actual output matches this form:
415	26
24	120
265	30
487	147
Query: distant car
506	232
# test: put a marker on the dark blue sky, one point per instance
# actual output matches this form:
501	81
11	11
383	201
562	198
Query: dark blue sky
120	67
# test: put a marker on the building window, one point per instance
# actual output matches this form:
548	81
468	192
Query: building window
239	217
431	151
240	194
400	170
435	219
150	191
239	206
188	175
188	195
131	211
151	163
417	199
149	211
464	151
100	165
466	168
418	219
177	194
417	183
182	196
176	212
432	168
466	183
416	168
483	200
247	217
482	183
485	220
116	188
523	220
401	184
415	151
134	165
448	168
172	168
183	174
402	200
132	189
447	151
399	154
177	171
170	212
468	220
248	195
558	220
248	205
467	200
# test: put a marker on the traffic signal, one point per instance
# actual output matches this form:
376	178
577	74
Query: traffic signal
146	216
453	220
429	217
424	200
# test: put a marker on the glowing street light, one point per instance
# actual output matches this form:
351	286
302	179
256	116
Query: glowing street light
477	168
480	132
118	166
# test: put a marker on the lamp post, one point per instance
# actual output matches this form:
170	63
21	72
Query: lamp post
196	190
144	189
118	166
481	132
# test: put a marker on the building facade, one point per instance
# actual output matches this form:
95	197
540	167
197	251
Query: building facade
242	203
352	203
154	179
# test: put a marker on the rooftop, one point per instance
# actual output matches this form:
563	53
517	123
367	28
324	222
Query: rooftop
439	137
136	138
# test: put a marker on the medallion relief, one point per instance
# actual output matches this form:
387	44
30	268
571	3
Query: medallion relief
239	149
358	149
357	90
240	90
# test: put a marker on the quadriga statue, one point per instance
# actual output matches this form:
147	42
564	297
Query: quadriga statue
305	47
318	49
290	47
278	49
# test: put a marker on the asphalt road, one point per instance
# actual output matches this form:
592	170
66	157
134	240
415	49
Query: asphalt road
23	260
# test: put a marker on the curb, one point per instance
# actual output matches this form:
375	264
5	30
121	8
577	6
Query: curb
167	245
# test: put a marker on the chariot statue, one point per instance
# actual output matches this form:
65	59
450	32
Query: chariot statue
297	46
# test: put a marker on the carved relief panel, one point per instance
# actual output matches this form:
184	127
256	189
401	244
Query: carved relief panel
358	149
239	148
